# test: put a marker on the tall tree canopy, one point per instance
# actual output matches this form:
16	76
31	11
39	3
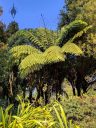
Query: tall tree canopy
78	9
81	10
1	10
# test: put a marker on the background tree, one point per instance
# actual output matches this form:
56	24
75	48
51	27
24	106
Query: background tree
1	10
78	9
12	28
84	10
3	36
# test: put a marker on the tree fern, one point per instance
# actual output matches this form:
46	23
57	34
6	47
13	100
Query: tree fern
33	59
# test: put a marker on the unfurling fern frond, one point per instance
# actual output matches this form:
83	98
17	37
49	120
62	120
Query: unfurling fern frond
31	63
72	49
70	30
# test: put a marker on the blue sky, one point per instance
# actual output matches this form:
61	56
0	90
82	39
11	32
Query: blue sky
29	12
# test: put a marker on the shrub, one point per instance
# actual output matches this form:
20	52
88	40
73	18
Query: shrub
30	117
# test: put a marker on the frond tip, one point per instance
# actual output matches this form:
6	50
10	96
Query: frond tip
67	32
72	49
20	52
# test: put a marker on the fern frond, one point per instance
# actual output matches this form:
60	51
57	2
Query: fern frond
28	35
40	38
53	55
79	34
45	36
35	62
70	30
31	63
72	49
19	52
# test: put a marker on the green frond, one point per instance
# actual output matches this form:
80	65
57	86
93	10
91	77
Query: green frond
28	35
67	32
45	36
35	62
53	55
31	63
79	34
40	38
72	49
19	52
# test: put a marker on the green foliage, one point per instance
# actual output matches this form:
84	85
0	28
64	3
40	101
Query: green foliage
70	30
80	34
22	33
46	37
20	52
63	18
12	28
3	37
5	117
82	10
81	110
72	49
28	116
3	63
52	53
78	10
36	61
31	63
62	121
17	39
40	38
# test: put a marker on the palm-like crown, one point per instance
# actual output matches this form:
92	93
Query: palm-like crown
47	47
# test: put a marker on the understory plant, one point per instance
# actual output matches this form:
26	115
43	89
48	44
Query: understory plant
30	117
